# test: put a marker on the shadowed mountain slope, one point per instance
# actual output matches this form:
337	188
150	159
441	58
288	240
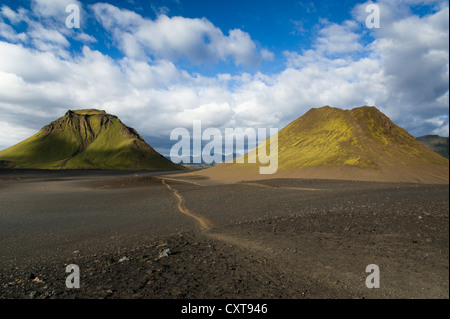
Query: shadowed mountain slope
438	144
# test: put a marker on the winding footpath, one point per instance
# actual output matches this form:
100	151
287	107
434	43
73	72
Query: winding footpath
204	223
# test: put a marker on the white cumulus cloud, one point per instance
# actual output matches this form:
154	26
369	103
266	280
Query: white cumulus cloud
402	68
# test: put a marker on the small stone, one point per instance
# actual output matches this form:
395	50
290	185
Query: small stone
165	253
38	281
123	259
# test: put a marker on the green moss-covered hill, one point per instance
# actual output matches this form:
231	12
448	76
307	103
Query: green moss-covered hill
85	139
331	143
362	137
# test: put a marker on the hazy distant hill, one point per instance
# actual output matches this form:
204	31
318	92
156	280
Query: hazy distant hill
85	139
198	161
436	143
358	144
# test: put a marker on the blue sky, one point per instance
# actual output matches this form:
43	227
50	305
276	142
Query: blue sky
162	64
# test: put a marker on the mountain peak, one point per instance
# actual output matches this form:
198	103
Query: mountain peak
361	137
85	139
87	112
361	144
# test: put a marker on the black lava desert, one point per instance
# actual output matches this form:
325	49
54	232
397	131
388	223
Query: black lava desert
140	234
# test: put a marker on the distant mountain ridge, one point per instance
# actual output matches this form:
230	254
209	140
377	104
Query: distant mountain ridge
85	139
436	143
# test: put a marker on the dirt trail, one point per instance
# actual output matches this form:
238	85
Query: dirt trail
204	223
281	187
181	180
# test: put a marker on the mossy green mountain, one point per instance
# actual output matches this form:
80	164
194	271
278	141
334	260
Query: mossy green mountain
332	143
85	139
362	137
